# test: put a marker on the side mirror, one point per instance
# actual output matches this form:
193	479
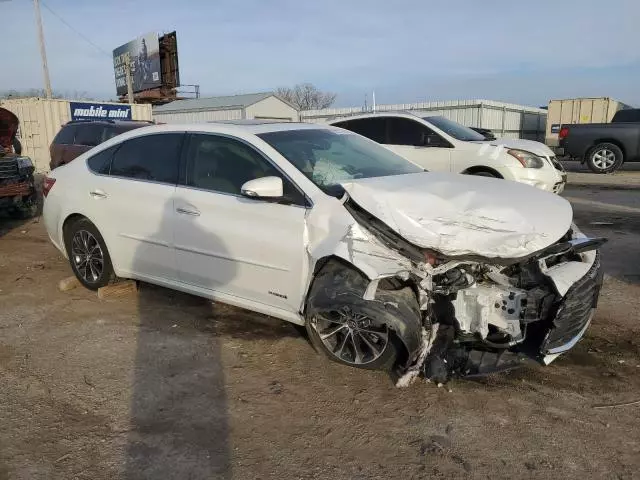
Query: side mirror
265	187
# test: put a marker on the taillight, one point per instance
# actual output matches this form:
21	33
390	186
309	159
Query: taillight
47	185
564	133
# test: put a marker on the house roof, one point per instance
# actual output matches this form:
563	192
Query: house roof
213	103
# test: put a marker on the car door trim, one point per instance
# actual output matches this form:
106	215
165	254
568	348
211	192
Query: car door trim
139	238
209	253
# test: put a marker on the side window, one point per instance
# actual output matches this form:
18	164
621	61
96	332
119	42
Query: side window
89	135
101	162
222	164
65	135
372	128
151	157
403	131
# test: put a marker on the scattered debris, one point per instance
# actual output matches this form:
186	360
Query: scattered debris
68	283
612	405
117	289
89	382
63	457
436	445
275	387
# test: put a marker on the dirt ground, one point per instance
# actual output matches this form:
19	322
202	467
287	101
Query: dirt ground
167	386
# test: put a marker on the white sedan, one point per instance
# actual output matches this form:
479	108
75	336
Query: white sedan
324	228
442	145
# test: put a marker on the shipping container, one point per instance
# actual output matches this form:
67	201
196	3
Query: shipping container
504	119
578	110
41	119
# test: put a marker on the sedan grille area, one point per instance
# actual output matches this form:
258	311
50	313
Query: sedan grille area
575	310
8	168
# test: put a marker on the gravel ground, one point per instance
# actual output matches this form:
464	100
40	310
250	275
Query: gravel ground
165	385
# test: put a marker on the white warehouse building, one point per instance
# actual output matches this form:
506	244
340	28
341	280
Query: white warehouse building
503	119
265	106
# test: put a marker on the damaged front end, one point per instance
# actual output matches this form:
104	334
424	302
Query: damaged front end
481	315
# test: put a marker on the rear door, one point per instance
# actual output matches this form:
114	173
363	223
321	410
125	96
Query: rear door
131	196
418	144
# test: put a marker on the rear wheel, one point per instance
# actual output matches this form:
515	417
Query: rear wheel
605	158
88	254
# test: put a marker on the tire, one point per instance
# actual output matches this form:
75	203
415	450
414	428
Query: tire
346	319
82	239
605	158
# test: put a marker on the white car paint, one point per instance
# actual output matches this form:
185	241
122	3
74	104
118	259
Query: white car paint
464	155
261	256
465	215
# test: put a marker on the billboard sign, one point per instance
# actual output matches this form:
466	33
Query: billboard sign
143	55
97	111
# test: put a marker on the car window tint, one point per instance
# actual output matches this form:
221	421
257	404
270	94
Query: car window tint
403	131
151	157
89	135
222	164
101	162
65	135
372	128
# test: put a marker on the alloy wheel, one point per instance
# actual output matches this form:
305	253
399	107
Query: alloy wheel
603	158
351	337
87	256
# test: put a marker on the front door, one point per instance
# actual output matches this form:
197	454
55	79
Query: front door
418	144
228	243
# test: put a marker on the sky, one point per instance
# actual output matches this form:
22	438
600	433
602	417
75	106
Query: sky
525	52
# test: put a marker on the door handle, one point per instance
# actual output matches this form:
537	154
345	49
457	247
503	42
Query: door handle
185	211
98	194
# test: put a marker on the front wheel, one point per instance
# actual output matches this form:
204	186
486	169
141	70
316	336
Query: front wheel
605	158
88	255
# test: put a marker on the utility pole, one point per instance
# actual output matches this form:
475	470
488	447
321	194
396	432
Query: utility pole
127	69
43	52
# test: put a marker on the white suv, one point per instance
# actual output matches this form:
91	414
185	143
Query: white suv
441	145
324	228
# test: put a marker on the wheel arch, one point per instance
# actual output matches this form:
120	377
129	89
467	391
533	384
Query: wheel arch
71	217
482	169
613	141
396	308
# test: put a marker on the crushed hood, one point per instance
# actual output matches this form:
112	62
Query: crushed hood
8	128
532	146
463	214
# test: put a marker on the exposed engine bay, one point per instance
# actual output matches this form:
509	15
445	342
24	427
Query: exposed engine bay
480	315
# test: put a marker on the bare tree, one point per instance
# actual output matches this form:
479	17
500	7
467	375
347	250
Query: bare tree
306	96
40	93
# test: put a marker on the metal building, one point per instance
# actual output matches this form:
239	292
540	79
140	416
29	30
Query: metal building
504	119
235	107
41	119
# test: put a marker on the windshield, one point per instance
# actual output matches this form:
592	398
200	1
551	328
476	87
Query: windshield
457	131
329	157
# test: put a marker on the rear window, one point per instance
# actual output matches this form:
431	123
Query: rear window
629	115
89	135
65	135
119	129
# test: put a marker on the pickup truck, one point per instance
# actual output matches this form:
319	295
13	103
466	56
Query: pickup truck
604	147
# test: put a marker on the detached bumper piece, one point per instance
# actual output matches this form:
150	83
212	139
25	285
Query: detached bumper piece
575	312
17	189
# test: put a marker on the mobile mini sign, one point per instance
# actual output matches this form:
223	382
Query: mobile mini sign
99	111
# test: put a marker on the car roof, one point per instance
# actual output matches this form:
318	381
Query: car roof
400	114
109	122
229	127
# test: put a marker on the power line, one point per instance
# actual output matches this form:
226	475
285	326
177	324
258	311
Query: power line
73	29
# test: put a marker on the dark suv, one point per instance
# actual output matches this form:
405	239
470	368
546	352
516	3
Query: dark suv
78	136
